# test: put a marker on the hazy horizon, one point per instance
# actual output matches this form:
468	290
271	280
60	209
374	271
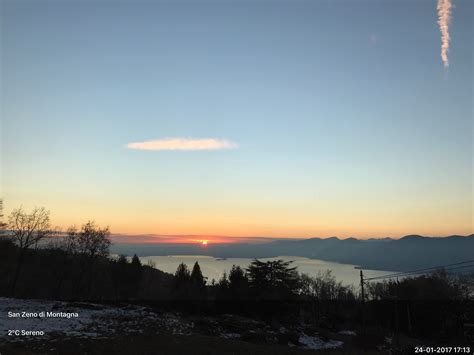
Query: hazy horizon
214	239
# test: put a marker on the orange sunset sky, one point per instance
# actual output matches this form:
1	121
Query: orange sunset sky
237	119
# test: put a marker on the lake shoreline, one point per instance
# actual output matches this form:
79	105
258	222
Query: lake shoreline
214	267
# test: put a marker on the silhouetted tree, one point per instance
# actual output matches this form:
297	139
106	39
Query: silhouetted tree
156	284
323	286
196	276
237	277
3	225
122	260
198	282
64	246
273	279
182	282
27	229
223	281
92	241
222	288
120	277
90	244
136	270
238	283
182	273
68	243
136	262
438	285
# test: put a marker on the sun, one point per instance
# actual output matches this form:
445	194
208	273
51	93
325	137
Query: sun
204	242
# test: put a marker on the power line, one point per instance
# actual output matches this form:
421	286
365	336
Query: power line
418	271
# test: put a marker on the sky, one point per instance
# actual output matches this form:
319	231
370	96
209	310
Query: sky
240	118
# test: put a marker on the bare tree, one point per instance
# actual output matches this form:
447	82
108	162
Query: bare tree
323	286
64	241
26	230
3	225
92	241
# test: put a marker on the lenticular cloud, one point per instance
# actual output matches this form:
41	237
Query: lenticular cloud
183	144
444	18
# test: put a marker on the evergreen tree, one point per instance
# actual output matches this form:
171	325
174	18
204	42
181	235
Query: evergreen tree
273	279
223	282
136	270
237	277
238	283
182	274
120	277
222	288
196	276
136	262
122	260
198	283
182	282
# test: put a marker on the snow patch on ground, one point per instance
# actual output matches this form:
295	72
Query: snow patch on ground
105	321
94	321
347	332
230	336
315	343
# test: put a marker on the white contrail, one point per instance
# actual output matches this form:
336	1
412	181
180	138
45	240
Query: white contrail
444	17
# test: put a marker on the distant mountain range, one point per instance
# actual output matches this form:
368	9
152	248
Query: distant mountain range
407	253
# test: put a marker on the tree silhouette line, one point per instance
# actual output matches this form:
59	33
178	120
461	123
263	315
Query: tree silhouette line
41	261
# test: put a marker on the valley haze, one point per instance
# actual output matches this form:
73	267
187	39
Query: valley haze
409	252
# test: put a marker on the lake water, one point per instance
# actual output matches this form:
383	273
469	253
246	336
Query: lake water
213	268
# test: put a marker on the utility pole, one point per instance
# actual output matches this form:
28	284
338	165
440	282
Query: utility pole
396	315
362	295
